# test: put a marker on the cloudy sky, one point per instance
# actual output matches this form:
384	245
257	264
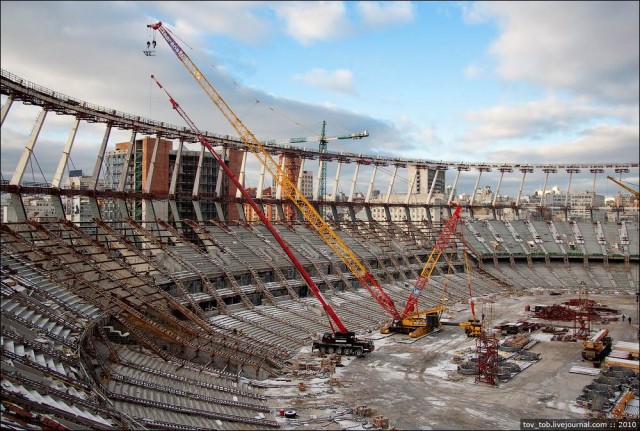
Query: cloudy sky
532	82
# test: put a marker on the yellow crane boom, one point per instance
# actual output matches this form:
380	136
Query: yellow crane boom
626	187
289	188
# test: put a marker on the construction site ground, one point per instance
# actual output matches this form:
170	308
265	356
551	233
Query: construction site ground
415	385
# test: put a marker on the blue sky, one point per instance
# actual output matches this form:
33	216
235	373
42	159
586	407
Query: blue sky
537	82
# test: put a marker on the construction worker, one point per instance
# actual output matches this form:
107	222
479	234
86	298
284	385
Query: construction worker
629	320
623	318
148	44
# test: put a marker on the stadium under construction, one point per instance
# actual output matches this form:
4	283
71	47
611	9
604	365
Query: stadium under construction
158	293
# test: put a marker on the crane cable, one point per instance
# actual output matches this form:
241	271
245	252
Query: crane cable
258	101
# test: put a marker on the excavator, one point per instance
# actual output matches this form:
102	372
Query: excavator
341	341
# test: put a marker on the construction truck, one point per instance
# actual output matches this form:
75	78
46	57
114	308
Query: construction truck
597	347
343	343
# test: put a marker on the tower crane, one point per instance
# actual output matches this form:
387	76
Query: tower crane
626	187
322	148
414	322
341	341
289	188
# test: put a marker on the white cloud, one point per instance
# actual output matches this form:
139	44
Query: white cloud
339	81
382	14
530	120
308	22
472	71
587	48
195	19
599	144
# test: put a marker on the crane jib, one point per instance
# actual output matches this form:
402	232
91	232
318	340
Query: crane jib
313	217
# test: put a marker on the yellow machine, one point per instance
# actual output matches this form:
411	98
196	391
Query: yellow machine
597	347
472	327
416	325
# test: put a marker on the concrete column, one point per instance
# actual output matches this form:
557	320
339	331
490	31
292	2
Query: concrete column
411	186
28	150
336	181
195	192
353	183
260	182
367	198
391	181
5	109
62	165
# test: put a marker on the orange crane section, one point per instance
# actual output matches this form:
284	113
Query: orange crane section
289	188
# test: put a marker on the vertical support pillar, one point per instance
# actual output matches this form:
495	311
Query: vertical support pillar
502	170
524	170
219	183
195	193
62	165
367	198
95	178
595	171
300	172
239	205
460	168
336	181
481	169
173	206
387	210
124	174
16	200
28	150
147	204
353	183
411	187
543	198
5	109
571	171
433	186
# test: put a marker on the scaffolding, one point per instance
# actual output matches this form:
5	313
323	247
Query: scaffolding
487	359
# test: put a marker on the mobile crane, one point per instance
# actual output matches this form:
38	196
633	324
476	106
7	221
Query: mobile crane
341	341
289	188
417	323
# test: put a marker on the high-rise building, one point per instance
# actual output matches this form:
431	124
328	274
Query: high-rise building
193	165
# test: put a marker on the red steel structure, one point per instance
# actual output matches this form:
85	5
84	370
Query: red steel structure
346	337
289	188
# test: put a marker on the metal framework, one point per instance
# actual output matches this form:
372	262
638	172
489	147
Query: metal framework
289	188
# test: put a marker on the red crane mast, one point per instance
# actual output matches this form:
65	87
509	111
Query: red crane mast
289	188
329	310
441	244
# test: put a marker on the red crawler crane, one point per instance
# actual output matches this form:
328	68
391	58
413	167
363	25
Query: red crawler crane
289	188
414	322
341	341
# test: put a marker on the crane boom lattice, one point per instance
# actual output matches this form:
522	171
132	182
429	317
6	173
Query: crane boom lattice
289	189
329	310
441	244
